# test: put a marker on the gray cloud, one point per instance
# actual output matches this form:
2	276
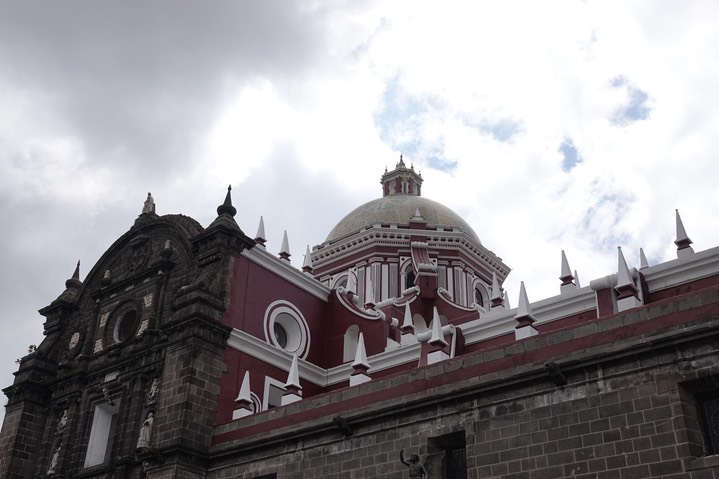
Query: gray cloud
141	80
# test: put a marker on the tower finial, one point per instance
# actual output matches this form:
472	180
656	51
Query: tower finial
226	207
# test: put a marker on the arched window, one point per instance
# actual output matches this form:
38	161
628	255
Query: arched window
480	294
409	279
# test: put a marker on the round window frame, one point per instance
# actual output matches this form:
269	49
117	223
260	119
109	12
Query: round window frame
286	315
117	317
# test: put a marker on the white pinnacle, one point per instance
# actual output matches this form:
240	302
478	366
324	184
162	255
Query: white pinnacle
643	263
308	258
293	378
244	394
523	308
360	354
407	323
623	276
437	335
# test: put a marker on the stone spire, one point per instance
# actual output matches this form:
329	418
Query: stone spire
360	366
293	389
437	338
682	241
407	324
260	237
437	342
72	287
285	249
243	402
223	230
226	207
307	265
524	317
628	293
643	263
75	279
566	276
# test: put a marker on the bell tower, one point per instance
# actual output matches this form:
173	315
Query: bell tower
401	180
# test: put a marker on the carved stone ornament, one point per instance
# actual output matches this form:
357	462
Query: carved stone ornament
74	340
143	441
416	468
53	461
152	392
62	422
138	253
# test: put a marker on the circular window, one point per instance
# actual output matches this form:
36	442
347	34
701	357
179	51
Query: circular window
124	324
286	328
127	326
280	335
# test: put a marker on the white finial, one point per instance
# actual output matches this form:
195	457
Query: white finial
244	394
293	377
360	354
643	263
576	278
407	324
523	308
566	276
682	240
260	237
437	337
307	265
285	249
566	272
623	276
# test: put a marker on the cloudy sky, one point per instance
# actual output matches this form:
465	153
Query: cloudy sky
575	125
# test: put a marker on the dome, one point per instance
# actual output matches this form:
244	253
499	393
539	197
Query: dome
399	209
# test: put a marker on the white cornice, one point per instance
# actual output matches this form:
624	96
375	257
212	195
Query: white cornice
501	321
287	271
682	270
376	235
280	359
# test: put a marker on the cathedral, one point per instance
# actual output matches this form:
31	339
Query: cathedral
194	352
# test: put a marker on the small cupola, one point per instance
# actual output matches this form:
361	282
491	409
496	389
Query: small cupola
401	180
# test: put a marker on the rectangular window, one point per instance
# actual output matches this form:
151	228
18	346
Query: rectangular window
447	456
102	434
708	406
